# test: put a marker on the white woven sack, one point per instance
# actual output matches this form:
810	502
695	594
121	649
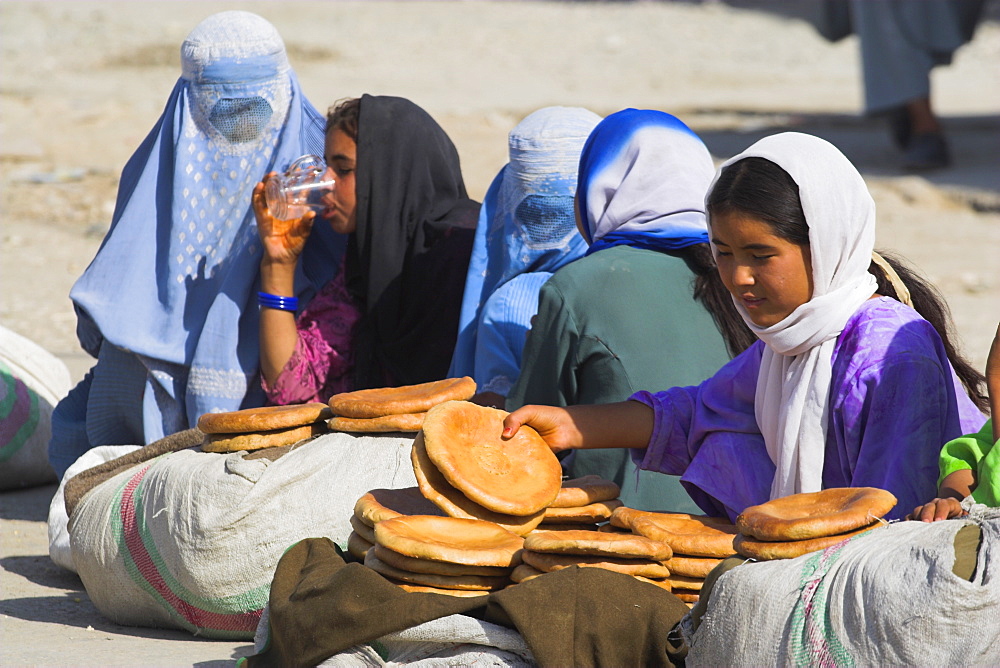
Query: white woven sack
191	539
59	550
454	640
32	381
887	597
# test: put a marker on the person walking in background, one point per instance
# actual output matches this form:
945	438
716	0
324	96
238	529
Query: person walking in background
901	42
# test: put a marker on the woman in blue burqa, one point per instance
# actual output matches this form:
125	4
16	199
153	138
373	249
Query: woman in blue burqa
169	305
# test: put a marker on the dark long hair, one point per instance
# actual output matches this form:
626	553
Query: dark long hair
712	293
759	188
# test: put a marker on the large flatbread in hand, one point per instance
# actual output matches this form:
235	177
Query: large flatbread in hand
518	476
381	401
440	492
808	515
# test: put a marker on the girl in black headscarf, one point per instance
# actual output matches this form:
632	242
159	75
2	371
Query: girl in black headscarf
390	317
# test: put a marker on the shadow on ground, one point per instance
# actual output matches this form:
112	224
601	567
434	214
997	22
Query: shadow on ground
30	504
41	570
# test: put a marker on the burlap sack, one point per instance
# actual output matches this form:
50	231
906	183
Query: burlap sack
190	539
888	597
32	381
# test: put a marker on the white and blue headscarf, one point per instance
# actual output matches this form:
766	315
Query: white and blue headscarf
526	230
173	285
643	178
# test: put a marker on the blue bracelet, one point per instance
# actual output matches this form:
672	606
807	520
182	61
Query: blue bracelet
267	300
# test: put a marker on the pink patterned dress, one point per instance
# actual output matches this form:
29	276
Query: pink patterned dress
322	362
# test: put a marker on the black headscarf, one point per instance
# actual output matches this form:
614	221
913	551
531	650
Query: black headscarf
408	256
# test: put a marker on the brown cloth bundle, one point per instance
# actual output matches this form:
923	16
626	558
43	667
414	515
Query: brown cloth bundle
320	606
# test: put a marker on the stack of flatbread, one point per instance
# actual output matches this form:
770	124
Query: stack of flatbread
699	543
383	504
444	555
548	551
464	467
582	503
258	428
388	409
794	525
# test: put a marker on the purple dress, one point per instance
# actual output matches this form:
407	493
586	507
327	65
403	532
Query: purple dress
322	363
894	401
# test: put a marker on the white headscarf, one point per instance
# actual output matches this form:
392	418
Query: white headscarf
793	386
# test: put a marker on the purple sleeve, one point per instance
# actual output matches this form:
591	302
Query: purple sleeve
708	434
321	363
888	439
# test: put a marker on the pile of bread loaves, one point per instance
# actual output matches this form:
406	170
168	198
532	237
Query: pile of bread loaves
794	525
388	409
488	512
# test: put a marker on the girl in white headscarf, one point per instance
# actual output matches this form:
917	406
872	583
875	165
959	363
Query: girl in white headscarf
849	385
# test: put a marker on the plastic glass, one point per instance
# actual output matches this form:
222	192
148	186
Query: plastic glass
301	188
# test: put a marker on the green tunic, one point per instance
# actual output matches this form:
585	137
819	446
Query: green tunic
979	453
610	324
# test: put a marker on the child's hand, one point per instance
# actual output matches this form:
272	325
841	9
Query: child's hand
937	509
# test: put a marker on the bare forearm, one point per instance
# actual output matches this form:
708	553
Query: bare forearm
278	334
628	424
957	485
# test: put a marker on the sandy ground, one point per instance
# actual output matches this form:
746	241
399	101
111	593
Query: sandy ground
81	83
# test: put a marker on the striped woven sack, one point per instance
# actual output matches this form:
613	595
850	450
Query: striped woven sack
190	539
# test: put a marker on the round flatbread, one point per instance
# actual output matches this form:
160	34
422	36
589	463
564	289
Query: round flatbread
808	515
423	589
684	583
768	550
692	567
451	539
565	527
433	486
548	562
405	563
584	491
266	439
524	572
357	546
519	476
405	422
687	595
662	584
589	514
623	516
609	528
268	418
381	401
705	537
362	529
595	543
385	504
467	582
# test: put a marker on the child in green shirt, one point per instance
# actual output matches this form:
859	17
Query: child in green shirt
970	464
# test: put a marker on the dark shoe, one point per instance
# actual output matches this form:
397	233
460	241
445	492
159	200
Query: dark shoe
926	151
899	126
